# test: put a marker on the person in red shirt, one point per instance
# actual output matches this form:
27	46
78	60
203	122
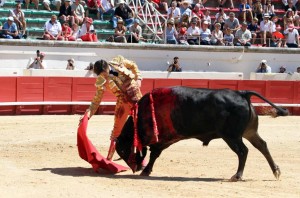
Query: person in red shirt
93	7
66	31
197	12
277	38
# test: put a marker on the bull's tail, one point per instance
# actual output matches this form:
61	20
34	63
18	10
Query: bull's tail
280	111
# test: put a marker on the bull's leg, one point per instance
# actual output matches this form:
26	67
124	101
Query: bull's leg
241	150
154	154
261	145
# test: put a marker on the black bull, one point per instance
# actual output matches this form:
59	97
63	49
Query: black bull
183	113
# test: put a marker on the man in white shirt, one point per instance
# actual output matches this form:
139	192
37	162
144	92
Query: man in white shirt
193	33
267	27
292	37
52	29
39	62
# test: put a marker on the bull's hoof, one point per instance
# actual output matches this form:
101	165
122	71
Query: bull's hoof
140	167
143	173
236	178
277	173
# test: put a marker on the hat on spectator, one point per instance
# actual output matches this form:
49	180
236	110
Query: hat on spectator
205	23
263	61
244	23
266	15
120	20
170	21
10	18
121	2
218	24
289	10
186	2
136	21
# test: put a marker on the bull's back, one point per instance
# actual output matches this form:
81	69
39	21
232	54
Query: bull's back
183	112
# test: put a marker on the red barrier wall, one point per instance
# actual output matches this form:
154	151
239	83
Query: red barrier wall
30	89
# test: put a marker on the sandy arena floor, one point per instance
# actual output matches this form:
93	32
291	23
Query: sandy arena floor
39	158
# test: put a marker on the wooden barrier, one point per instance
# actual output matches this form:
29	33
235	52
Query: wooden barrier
70	95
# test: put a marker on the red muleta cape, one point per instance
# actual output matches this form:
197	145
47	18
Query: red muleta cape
89	153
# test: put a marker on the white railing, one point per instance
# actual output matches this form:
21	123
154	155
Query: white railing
150	16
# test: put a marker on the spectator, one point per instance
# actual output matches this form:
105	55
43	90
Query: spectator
56	3
243	36
38	62
245	10
205	34
196	12
222	13
266	29
135	32
220	20
87	31
123	11
207	17
120	31
75	33
193	33
10	30
65	13
297	21
232	22
66	32
222	2
298	69
282	69
228	37
182	36
291	6
289	16
277	38
217	35
257	10
52	29
185	10
292	37
93	7
175	66
170	32
106	7
174	12
263	67
254	29
70	65
90	67
78	12
269	8
36	3
19	18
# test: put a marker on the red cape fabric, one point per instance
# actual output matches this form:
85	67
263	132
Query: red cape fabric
89	153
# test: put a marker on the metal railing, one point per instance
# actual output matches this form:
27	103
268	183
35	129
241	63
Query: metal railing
150	16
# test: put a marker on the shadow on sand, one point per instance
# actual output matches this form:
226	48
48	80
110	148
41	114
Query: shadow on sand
82	172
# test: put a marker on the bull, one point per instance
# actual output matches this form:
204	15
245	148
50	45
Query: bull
183	113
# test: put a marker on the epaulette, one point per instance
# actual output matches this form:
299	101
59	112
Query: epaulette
100	81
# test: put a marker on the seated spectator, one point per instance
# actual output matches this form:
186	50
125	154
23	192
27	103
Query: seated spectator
70	65
182	36
10	30
106	7
174	12
222	2
193	33
220	20
75	33
243	36
266	29
228	37
66	32
263	67
170	33
135	32
294	2
254	29
257	10
291	6
245	10
93	7
269	8
232	22
36	3
217	35
297	21
56	3
282	69
222	13
196	12
120	31
277	38
65	13
205	34
207	17
52	29
19	18
123	11
289	16
292	37
38	62
87	31
78	12
185	10
175	66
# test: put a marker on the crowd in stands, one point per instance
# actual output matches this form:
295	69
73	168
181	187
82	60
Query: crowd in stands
188	22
